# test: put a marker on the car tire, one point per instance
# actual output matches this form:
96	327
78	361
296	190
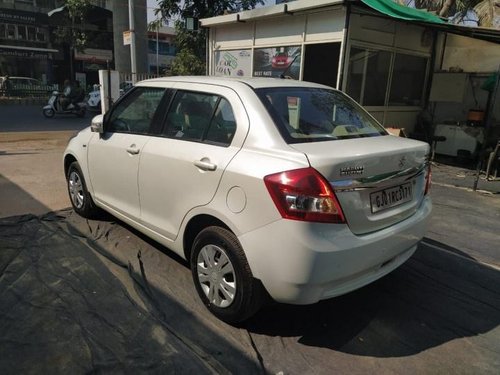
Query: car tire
222	276
81	112
49	113
78	194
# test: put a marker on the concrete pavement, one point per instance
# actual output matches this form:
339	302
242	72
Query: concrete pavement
31	172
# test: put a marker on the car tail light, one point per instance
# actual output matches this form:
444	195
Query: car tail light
428	178
304	194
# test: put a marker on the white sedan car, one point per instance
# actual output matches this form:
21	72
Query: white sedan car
266	186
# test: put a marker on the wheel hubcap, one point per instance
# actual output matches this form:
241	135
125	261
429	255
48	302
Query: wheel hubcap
216	276
75	189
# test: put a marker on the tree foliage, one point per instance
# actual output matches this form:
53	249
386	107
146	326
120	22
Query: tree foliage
486	10
71	31
191	47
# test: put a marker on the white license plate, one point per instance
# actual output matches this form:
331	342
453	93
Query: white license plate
391	197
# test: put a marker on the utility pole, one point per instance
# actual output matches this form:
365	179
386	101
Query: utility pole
157	49
133	55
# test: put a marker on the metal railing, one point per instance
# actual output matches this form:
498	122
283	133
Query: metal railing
26	91
127	77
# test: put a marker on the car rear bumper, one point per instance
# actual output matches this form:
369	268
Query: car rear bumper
302	263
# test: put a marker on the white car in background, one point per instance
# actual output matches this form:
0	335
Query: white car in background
264	185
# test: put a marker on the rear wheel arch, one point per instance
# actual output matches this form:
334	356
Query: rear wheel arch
195	225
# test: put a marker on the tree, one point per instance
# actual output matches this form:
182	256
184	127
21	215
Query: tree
71	30
190	45
486	10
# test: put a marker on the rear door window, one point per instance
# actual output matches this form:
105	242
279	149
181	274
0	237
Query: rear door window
200	117
310	115
135	113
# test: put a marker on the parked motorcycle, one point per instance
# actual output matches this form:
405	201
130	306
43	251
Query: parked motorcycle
54	107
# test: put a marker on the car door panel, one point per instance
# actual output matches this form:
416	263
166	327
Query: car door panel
114	156
177	175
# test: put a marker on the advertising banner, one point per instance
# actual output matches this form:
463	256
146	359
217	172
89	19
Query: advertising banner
236	63
277	62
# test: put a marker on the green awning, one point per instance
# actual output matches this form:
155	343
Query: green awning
392	9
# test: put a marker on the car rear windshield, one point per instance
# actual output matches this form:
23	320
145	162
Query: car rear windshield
314	114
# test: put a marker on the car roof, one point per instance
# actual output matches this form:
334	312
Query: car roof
235	82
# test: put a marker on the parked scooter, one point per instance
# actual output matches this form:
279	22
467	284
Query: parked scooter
54	107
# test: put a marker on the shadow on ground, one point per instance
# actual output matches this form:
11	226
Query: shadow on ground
84	296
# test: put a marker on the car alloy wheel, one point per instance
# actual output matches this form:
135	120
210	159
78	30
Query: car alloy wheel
75	187
216	276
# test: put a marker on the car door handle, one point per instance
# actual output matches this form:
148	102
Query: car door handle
205	164
133	150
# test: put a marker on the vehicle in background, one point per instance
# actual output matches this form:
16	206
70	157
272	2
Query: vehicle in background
54	107
266	186
281	60
23	86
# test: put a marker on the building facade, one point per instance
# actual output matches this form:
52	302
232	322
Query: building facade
161	49
26	48
31	44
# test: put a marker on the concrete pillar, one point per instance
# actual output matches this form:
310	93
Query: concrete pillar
121	24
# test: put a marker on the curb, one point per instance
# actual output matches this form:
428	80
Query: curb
23	101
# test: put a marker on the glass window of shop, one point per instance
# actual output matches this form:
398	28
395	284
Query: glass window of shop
386	78
22	32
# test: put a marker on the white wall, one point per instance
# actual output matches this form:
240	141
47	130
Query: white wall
471	55
277	31
283	30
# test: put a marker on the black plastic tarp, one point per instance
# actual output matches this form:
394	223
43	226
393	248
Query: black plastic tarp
80	296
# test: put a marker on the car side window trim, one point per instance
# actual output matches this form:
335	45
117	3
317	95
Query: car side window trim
130	96
204	140
161	113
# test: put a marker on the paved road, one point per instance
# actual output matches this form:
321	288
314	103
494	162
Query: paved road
22	118
438	313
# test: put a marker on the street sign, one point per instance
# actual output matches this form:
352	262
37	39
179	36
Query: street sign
127	38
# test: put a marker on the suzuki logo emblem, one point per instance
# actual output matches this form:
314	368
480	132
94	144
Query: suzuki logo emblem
402	162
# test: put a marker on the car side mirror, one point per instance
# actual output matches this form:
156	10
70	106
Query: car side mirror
97	124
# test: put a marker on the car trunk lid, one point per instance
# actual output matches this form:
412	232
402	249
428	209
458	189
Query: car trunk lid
378	181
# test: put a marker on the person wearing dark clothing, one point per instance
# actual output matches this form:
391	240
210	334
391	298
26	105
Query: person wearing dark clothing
78	94
66	96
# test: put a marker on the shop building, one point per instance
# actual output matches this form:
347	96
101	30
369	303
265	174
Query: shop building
385	61
25	46
29	46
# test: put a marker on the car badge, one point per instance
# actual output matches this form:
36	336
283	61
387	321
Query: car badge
402	162
349	171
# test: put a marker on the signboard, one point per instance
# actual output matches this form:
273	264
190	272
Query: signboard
236	63
25	54
94	55
21	17
278	61
127	38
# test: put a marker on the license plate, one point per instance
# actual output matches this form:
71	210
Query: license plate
391	197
